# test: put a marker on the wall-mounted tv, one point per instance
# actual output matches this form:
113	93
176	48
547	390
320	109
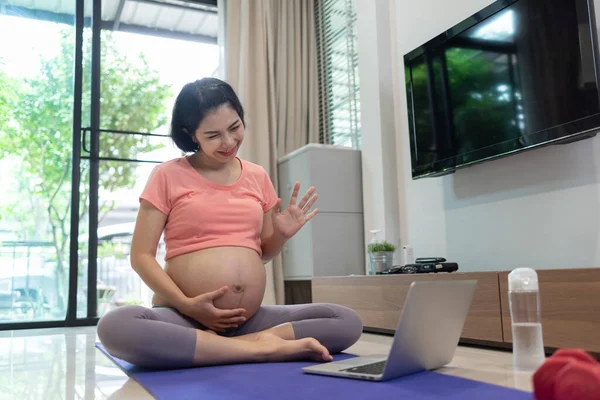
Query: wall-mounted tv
515	76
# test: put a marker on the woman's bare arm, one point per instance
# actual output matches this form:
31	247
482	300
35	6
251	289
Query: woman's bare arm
148	229
271	242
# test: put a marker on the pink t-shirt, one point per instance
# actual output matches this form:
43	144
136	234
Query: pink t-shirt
203	214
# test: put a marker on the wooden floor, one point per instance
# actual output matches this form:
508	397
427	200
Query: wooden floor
63	363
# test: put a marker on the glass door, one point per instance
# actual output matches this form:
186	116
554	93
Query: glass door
140	76
36	125
84	112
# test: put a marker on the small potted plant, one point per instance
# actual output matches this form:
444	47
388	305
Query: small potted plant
381	256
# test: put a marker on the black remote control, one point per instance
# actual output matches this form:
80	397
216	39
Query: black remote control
430	260
421	268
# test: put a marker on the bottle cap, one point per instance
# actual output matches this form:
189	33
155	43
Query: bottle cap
374	232
523	280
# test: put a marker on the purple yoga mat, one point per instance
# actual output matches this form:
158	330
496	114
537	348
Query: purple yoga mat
278	381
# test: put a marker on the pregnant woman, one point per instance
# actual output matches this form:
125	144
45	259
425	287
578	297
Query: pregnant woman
222	221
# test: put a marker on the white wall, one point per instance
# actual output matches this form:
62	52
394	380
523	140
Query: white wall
379	161
540	208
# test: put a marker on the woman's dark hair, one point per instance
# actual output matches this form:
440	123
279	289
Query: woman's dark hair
195	100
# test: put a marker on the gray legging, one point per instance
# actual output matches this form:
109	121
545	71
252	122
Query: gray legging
161	337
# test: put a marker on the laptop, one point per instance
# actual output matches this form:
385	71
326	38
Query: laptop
426	337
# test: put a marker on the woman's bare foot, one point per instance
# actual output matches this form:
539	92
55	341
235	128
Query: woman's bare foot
284	331
278	349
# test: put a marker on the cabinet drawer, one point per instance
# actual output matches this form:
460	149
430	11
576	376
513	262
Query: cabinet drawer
338	244
297	255
335	174
291	171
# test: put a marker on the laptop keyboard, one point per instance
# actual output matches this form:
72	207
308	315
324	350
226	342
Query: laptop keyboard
371	369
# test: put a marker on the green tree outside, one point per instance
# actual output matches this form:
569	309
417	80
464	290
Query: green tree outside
36	131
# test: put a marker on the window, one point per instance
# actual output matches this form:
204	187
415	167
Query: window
142	44
337	60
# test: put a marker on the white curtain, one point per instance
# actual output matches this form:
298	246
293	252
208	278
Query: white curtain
270	60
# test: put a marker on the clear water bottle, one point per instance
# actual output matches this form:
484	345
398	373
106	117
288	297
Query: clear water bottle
524	300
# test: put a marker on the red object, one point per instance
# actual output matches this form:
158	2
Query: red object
578	380
577	354
570	374
544	378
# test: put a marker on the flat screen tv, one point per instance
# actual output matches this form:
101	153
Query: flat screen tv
515	76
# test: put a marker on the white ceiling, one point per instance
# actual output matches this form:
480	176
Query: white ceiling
176	16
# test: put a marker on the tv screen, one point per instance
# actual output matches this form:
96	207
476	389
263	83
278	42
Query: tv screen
515	76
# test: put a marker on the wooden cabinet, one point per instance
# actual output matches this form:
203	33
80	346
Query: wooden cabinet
570	304
379	300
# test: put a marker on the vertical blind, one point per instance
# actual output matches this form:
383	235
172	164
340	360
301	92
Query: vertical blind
337	61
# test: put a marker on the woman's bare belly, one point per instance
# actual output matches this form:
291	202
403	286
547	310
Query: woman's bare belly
240	269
